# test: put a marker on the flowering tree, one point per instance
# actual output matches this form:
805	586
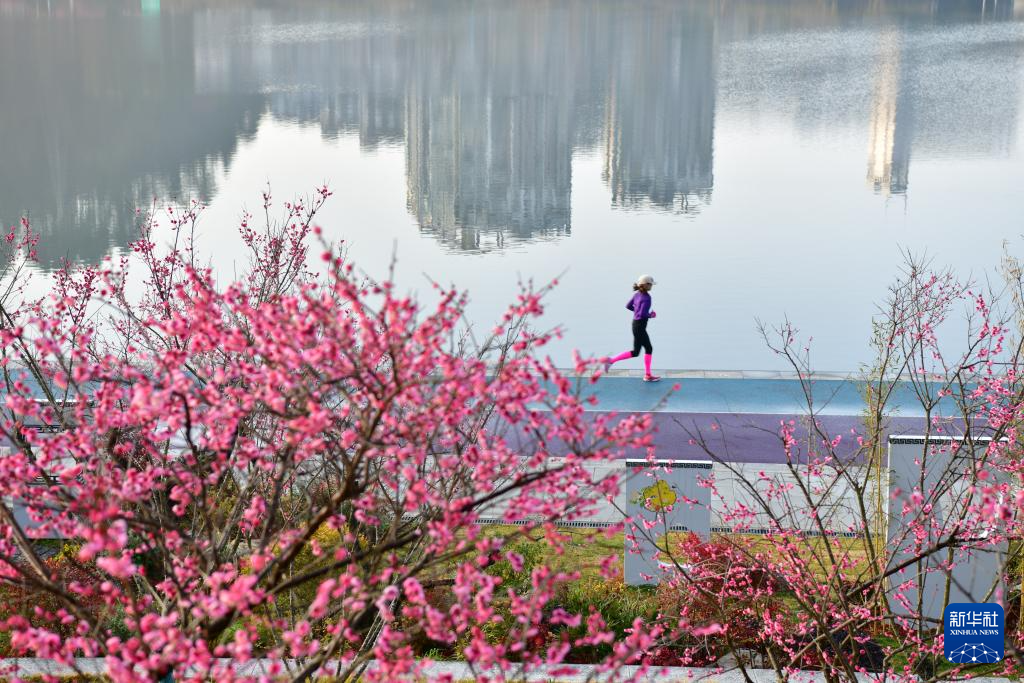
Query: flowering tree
286	466
859	554
294	465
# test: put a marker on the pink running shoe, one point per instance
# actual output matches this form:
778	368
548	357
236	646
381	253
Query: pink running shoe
651	378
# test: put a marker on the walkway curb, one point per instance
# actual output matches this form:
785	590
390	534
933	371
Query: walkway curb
460	671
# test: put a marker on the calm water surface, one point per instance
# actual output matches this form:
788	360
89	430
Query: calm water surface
762	160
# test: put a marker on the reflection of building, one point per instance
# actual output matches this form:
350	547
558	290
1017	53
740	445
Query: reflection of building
345	72
933	87
889	137
128	103
485	102
489	151
505	175
102	121
431	172
659	135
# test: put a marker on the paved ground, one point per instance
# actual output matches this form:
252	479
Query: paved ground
738	417
461	672
741	392
739	413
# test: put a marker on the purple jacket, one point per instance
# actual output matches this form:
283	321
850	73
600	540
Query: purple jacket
640	304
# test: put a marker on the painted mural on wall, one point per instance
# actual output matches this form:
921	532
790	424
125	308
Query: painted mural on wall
662	500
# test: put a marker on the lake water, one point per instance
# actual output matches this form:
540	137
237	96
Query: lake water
761	160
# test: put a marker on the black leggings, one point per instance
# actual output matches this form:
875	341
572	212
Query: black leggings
640	338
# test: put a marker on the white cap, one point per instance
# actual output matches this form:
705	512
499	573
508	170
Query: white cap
645	280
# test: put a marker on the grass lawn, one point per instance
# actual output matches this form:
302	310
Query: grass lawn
585	549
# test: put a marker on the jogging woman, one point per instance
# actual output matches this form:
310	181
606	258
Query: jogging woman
640	304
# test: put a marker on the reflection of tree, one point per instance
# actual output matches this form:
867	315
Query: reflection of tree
661	110
105	119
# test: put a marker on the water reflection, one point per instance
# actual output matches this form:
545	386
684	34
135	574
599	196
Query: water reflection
106	106
341	68
890	122
938	80
661	110
920	100
100	114
490	105
489	128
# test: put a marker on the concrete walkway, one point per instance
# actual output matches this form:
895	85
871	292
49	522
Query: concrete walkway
460	671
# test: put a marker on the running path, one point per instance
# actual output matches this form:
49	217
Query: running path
739	414
739	417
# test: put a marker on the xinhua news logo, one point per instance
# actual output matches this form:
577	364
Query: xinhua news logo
973	633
